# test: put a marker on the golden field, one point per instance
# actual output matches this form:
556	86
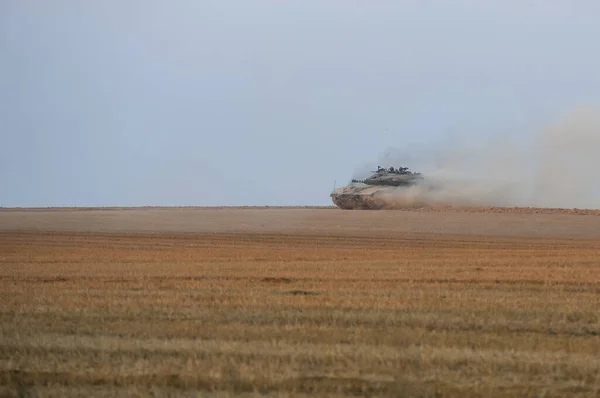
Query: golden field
299	302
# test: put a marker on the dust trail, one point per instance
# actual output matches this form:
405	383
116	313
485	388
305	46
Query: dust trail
557	166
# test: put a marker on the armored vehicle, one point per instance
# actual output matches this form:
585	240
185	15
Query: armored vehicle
371	193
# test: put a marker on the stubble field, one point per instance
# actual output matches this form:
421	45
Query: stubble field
299	302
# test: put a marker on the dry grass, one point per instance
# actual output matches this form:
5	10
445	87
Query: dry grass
223	314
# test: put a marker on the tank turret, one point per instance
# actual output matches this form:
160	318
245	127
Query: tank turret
401	176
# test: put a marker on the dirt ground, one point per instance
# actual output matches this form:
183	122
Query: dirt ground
514	222
299	302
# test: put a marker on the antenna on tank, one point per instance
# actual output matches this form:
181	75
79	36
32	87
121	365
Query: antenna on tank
334	181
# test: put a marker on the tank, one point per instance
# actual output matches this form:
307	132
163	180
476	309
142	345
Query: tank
371	192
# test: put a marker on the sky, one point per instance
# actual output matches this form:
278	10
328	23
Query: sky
202	103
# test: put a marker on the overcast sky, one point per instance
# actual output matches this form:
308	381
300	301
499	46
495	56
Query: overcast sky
191	102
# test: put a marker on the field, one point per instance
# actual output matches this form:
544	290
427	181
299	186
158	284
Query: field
299	302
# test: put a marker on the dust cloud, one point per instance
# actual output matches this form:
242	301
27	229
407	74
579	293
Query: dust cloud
557	166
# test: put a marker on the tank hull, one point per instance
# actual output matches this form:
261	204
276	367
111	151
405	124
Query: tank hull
356	202
362	197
